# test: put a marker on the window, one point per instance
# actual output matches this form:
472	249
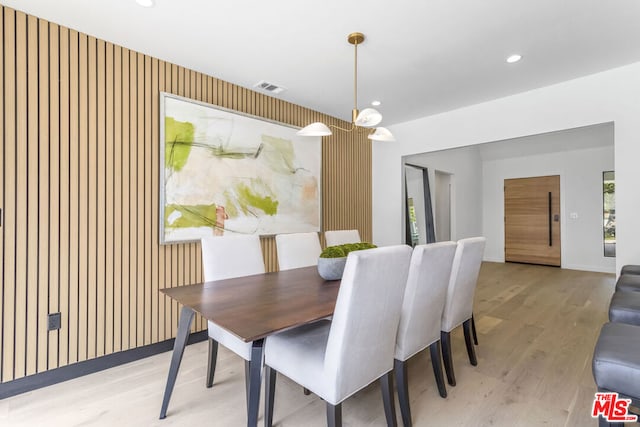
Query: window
609	212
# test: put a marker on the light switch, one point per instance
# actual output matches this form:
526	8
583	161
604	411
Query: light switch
573	215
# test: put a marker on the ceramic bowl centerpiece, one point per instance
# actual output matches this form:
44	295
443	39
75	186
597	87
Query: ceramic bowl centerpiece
333	259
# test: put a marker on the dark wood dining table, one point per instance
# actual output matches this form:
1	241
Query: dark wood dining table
251	308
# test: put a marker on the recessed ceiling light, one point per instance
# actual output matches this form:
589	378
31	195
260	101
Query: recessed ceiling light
375	103
145	3
514	58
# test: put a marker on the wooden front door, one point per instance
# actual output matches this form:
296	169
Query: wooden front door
532	220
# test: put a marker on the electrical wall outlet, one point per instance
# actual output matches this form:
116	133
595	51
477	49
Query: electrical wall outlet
55	321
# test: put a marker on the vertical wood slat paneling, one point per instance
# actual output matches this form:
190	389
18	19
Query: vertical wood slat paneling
129	211
64	217
109	148
44	176
7	58
83	198
101	205
33	197
148	315
139	196
118	166
125	212
53	74
2	168
157	266
21	260
73	224
79	193
92	199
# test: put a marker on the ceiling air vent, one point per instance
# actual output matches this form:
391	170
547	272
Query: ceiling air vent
269	87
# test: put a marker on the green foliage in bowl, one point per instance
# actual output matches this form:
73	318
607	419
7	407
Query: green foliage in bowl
340	251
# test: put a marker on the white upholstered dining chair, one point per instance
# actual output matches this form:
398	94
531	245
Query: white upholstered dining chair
226	257
297	250
339	237
421	315
336	359
458	308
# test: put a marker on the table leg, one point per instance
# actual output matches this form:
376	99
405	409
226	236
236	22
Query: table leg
255	378
184	325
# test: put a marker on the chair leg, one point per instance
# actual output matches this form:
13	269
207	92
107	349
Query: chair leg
466	325
211	365
445	339
437	368
473	328
269	395
334	415
400	371
386	383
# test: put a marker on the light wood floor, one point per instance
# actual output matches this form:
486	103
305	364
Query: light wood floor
537	327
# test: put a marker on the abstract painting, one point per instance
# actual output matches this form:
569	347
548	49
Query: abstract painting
224	172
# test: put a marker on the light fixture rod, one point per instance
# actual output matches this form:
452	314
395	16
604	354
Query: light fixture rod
355	82
355	39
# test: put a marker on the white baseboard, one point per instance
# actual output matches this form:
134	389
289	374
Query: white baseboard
595	269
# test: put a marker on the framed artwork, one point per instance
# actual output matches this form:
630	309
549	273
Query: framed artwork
223	172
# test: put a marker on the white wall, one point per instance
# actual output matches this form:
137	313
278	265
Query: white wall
580	192
466	187
610	96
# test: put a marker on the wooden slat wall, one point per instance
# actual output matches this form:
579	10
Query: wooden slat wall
79	168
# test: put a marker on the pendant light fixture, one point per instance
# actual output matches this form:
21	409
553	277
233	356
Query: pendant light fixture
367	118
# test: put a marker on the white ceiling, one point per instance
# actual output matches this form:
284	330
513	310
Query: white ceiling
419	58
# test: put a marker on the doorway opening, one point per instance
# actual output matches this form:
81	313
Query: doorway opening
579	155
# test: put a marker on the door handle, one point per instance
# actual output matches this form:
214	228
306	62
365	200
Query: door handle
550	222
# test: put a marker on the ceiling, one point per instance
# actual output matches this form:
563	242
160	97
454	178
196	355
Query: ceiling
419	57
